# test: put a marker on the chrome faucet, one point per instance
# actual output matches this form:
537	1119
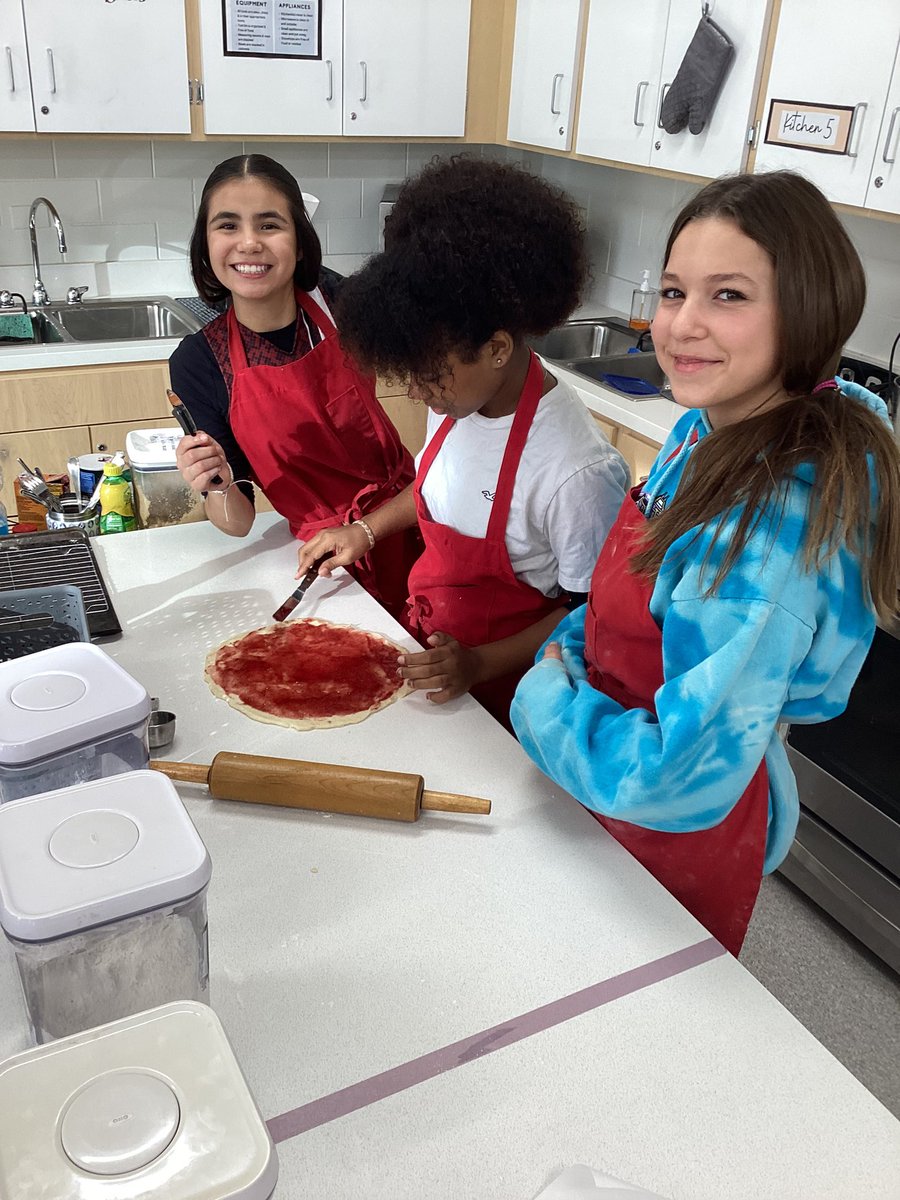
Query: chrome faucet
39	295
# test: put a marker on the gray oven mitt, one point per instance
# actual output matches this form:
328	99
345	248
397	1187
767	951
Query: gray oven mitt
694	91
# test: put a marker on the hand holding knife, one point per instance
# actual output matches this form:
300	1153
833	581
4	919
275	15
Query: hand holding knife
297	595
188	424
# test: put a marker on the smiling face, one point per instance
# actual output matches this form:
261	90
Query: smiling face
253	247
716	328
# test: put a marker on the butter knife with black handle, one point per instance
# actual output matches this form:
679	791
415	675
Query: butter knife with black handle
297	595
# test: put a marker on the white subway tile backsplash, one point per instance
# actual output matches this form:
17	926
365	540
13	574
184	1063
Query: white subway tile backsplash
133	200
173	239
74	199
420	153
178	160
304	160
344	264
27	160
15	249
338	198
352	237
355	160
103	158
111	243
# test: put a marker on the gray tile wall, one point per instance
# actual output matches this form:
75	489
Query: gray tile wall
128	208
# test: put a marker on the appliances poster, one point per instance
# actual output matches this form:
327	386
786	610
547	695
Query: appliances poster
272	28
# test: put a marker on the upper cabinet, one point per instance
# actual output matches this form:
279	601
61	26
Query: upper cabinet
16	113
631	58
244	94
827	53
95	67
395	70
545	58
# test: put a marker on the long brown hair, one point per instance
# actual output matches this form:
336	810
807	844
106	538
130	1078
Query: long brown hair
821	291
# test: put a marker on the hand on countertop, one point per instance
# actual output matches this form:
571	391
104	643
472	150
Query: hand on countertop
446	671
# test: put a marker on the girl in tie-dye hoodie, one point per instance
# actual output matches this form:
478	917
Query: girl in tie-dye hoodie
740	585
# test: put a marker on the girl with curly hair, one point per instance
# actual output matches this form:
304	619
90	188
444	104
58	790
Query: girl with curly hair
516	487
740	584
276	399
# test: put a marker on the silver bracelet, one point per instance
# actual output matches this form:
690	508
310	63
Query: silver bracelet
366	530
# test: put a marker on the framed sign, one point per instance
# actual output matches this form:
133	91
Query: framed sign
825	128
272	28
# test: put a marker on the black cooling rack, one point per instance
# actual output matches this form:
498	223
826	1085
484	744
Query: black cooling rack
59	556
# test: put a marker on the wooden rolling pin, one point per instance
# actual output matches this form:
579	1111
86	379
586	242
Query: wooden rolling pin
325	787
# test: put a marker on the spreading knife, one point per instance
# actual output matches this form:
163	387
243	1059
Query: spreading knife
297	595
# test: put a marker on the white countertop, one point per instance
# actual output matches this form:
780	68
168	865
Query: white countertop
349	956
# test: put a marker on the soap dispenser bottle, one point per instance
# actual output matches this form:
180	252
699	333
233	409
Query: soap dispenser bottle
643	304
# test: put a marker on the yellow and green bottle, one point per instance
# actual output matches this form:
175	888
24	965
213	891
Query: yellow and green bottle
116	508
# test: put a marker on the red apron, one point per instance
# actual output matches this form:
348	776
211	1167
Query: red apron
322	448
465	586
715	873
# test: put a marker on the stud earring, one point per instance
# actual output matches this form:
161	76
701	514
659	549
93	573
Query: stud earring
499	362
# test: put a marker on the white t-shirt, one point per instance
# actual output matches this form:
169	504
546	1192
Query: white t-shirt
568	489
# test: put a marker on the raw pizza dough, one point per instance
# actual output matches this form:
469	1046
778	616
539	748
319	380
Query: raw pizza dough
307	673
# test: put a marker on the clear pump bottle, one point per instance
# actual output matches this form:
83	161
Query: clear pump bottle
643	304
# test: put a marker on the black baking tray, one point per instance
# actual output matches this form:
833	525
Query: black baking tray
59	556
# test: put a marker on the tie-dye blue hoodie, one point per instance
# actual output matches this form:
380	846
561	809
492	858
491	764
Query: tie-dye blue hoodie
776	643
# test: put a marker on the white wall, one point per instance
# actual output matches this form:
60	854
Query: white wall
128	207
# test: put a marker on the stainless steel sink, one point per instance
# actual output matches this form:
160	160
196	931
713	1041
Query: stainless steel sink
611	369
122	320
585	339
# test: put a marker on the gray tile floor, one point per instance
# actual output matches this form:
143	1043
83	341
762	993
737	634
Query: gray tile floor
845	997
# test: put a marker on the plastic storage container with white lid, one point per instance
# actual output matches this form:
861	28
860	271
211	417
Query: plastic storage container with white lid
67	715
103	900
148	1107
161	497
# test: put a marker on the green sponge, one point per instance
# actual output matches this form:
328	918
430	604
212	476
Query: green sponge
16	327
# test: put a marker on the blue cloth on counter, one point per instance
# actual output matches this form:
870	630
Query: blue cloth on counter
776	643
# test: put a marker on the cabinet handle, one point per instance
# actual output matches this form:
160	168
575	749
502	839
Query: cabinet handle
556	82
9	67
365	83
662	100
638	97
889	138
858	113
330	65
52	69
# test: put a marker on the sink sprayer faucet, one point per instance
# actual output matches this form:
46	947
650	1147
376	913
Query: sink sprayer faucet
39	295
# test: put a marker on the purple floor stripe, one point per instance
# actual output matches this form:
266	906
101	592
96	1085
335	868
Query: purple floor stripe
398	1079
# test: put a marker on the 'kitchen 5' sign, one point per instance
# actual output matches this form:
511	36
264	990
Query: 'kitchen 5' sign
822	127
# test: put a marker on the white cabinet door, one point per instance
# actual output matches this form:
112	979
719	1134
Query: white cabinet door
108	68
16	113
405	68
542	94
722	146
267	95
884	186
829	52
620	82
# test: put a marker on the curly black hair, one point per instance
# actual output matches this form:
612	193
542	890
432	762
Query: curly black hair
472	246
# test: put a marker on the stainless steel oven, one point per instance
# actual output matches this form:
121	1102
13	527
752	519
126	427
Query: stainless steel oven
846	855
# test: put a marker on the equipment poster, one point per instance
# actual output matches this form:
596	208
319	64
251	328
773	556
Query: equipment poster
272	28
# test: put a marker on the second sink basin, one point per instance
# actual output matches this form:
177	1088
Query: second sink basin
641	370
121	320
585	339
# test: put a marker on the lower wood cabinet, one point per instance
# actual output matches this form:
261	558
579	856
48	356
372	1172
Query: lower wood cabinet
638	452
